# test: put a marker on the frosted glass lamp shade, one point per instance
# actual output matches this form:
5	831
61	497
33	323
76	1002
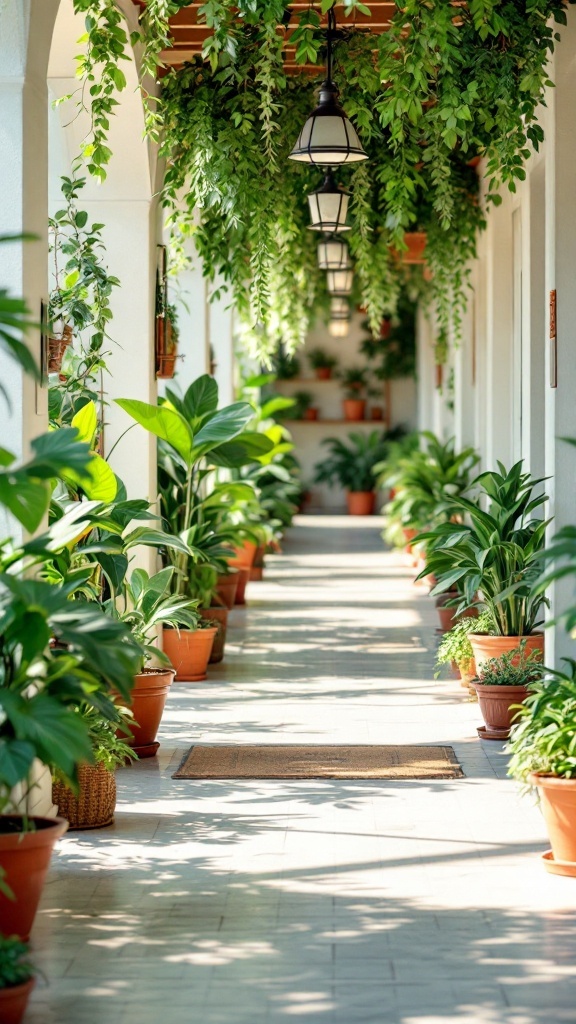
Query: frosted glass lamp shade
339	328
329	208
340	282
333	254
339	309
328	136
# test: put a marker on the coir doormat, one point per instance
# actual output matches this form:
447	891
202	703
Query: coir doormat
287	761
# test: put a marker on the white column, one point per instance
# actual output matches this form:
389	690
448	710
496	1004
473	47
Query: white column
560	264
25	32
221	339
189	293
499	329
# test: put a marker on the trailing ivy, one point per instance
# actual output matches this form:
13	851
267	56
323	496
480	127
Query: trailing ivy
442	85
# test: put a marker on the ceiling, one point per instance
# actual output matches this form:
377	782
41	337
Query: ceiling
189	35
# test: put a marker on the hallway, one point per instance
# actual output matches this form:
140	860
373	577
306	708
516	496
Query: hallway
320	901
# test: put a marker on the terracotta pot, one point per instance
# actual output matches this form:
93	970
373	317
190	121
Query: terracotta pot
467	672
409	535
244	555
95	803
323	372
147	702
220	615
376	412
310	414
243	577
166	367
14	1000
447	614
360	503
558	802
354	409
495	704
227	587
57	349
486	647
189	651
257	569
24	857
416	248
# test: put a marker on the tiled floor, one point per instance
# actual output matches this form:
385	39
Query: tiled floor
322	901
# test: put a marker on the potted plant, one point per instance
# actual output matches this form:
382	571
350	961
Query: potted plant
148	604
194	437
16	979
455	650
167	347
543	745
501	685
351	466
93	803
354	381
286	367
204	587
304	408
322	363
494	557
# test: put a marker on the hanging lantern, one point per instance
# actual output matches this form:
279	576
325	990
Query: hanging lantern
333	254
339	328
328	136
339	309
329	207
340	282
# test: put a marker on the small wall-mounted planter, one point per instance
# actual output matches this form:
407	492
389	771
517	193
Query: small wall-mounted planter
57	349
166	348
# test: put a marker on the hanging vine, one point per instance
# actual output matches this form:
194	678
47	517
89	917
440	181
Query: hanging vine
442	85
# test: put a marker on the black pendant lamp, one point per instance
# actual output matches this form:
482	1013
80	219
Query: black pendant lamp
328	136
333	254
329	207
339	282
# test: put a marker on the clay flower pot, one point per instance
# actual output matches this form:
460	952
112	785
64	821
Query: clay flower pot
219	615
95	803
354	409
486	647
244	555
189	651
257	569
496	704
360	503
227	587
147	702
243	578
377	413
323	372
24	857
447	613
14	1000
311	413
558	802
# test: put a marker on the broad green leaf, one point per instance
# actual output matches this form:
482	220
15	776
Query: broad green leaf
86	422
201	397
165	423
224	426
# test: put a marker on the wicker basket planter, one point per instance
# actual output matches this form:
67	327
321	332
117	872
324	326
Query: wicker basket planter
96	801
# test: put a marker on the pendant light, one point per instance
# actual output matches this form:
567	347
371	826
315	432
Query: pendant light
339	328
340	282
339	309
329	207
333	254
328	136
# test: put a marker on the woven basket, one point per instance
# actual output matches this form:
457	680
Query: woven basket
94	806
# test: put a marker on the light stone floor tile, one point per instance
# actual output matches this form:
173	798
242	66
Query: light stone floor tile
333	902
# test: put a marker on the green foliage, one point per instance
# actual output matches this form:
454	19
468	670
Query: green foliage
108	748
14	321
393	353
15	965
148	604
425	482
351	465
496	551
354	381
321	360
513	668
285	367
455	644
80	300
544	737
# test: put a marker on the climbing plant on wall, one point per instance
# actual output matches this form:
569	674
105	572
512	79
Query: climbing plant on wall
442	85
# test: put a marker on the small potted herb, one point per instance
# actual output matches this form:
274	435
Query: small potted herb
286	367
322	363
455	649
304	408
355	382
501	685
16	979
543	748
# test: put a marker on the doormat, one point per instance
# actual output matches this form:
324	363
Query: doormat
289	761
